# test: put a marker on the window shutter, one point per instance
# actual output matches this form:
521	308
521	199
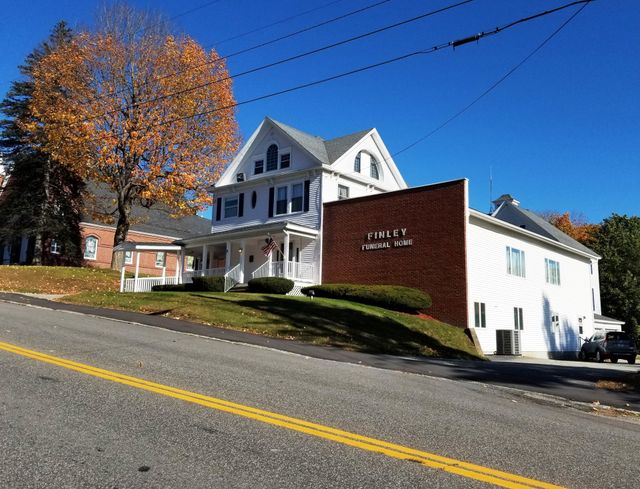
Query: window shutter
307	187
240	205
271	195
219	209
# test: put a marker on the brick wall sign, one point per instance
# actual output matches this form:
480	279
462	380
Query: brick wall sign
414	237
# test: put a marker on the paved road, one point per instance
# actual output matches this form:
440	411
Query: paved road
568	379
61	427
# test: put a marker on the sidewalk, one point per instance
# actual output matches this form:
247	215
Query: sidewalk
572	380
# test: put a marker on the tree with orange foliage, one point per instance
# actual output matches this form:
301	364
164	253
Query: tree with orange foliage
124	113
576	227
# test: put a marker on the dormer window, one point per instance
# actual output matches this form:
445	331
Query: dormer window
375	172
356	164
272	158
259	167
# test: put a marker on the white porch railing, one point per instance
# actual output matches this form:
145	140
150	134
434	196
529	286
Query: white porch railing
146	283
296	271
232	278
209	272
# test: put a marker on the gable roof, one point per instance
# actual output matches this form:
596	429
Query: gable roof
529	220
155	220
325	150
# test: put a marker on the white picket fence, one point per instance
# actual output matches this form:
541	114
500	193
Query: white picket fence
146	283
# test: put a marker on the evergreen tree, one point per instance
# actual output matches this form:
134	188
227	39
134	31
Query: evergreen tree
618	242
42	199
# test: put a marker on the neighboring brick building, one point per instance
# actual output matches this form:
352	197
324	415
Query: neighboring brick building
424	229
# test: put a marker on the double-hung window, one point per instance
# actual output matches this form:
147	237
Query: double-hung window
343	192
90	248
231	207
296	197
285	160
518	321
552	271
479	312
258	167
161	259
55	247
281	200
515	262
128	257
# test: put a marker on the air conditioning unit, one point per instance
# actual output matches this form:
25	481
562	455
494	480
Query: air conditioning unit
240	177
508	342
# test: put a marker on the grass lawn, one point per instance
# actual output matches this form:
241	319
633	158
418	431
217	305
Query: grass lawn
57	280
320	321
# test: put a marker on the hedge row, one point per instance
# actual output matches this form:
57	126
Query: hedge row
270	285
198	284
394	297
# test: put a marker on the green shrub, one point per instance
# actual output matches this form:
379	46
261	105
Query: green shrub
208	284
173	288
394	297
270	285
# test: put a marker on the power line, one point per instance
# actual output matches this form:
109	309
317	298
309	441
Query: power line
254	47
277	22
496	83
288	59
431	50
194	9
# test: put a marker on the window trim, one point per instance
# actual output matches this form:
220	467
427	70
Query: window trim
130	260
552	271
373	164
164	259
346	195
288	156
95	251
518	318
55	248
289	199
235	197
255	166
522	258
480	315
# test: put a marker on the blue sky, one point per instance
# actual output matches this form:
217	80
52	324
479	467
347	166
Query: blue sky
562	133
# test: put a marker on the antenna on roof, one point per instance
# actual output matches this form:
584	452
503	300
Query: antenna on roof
490	189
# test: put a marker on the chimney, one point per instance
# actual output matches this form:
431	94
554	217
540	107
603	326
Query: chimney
506	198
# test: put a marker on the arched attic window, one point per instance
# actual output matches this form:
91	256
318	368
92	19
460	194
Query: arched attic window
272	158
356	163
375	170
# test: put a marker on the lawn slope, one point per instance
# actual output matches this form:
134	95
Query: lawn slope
57	280
320	321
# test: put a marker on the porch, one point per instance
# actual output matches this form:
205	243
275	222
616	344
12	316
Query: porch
239	255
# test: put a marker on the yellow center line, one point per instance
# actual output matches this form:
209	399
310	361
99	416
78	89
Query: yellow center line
450	465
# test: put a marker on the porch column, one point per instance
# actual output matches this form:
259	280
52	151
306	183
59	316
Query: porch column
164	275
227	257
135	282
285	255
205	259
122	279
178	266
243	247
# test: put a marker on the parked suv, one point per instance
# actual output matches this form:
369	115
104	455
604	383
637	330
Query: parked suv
611	345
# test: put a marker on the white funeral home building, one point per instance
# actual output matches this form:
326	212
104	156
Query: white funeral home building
331	209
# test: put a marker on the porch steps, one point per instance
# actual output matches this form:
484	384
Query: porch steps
240	288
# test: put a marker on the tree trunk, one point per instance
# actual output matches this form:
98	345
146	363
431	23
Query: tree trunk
122	230
38	250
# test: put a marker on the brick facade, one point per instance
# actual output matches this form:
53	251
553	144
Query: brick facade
434	219
147	258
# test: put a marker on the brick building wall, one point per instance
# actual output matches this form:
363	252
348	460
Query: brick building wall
147	258
415	237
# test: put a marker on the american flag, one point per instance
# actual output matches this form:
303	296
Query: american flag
271	245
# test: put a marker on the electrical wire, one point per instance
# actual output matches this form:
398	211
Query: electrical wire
431	50
254	47
286	60
495	84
